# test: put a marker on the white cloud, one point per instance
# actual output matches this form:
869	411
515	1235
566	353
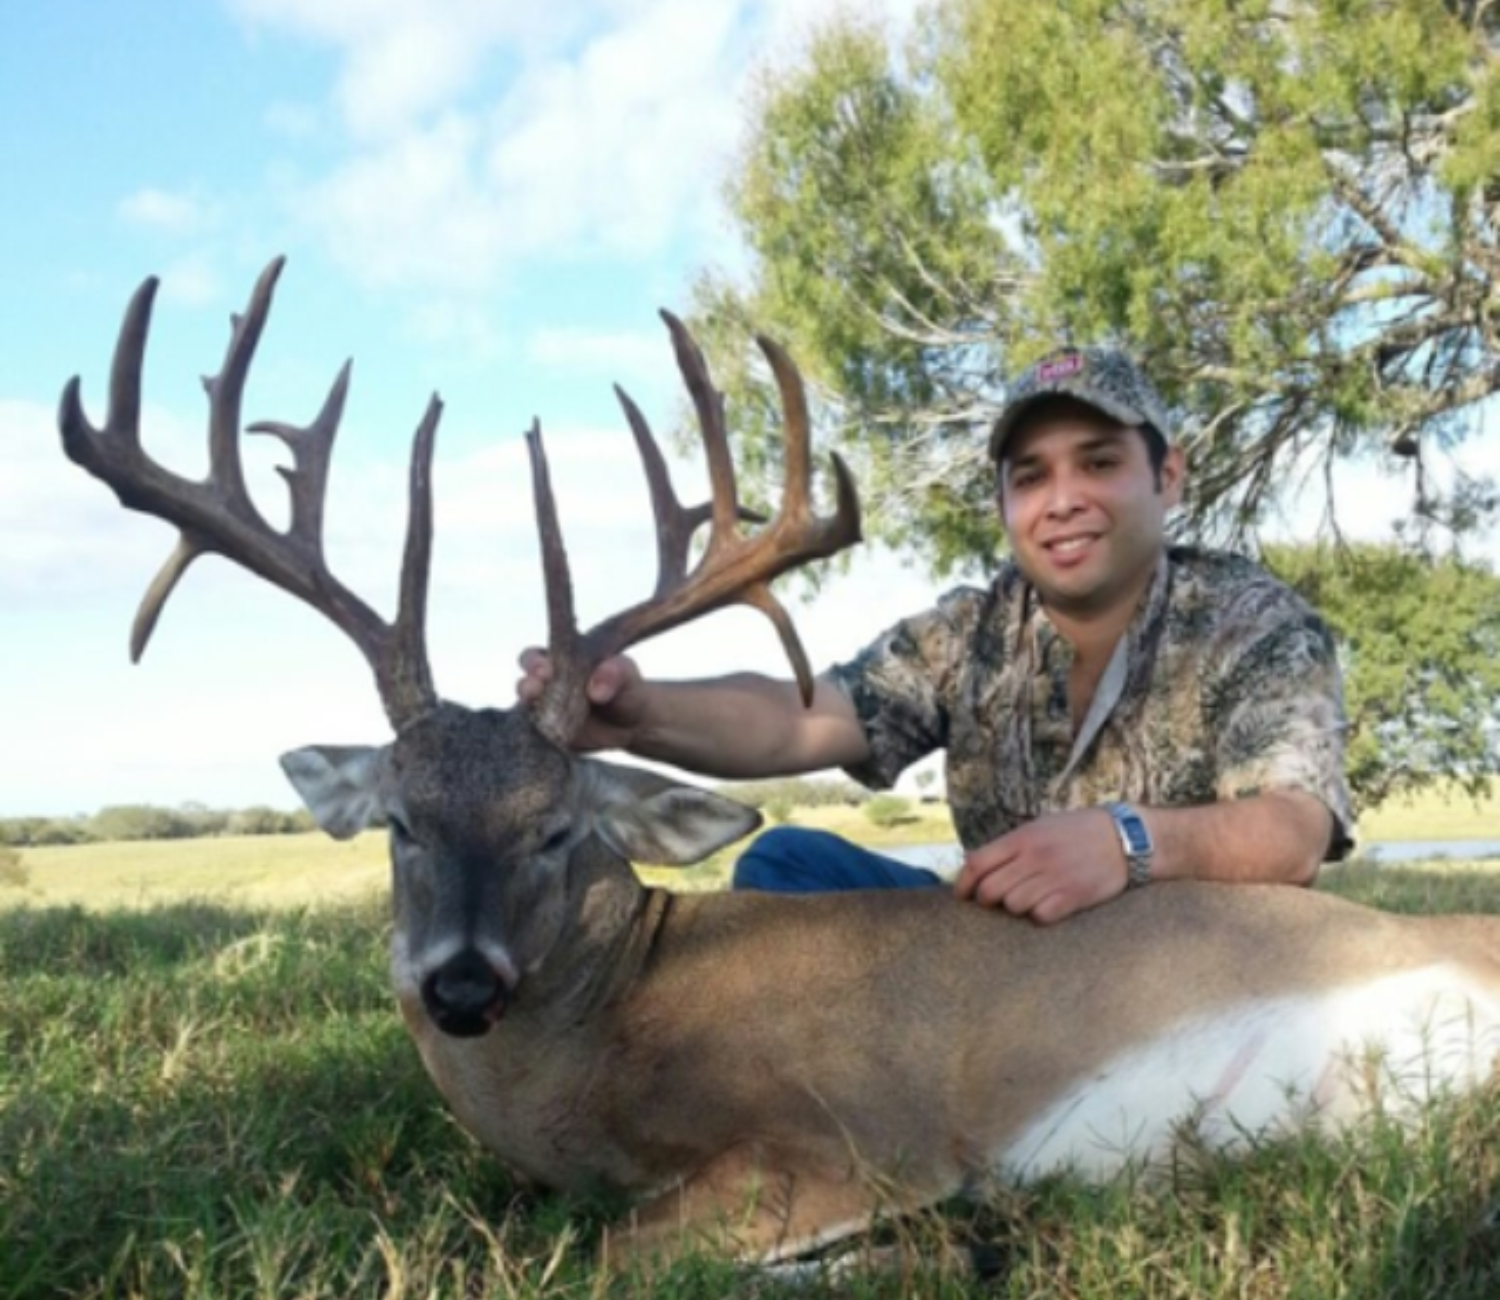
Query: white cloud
403	59
413	212
176	214
484	134
60	536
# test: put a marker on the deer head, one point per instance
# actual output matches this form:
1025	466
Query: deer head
499	836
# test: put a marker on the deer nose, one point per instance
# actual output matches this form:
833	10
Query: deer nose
465	995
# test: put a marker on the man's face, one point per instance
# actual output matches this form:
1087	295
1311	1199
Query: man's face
1083	508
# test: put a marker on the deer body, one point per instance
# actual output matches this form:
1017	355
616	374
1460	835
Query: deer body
764	1072
886	1050
768	1072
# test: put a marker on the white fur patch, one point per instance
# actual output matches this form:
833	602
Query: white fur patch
1271	1066
409	969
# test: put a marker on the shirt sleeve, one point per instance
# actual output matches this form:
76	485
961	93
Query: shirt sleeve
902	685
1276	709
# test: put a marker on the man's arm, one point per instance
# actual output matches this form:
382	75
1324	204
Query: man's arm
735	727
1276	837
1066	862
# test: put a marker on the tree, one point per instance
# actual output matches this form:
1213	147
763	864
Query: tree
143	822
1420	642
1288	207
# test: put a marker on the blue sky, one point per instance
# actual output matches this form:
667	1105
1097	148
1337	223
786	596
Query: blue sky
483	198
487	200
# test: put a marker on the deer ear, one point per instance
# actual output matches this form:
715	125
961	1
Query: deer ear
652	820
339	784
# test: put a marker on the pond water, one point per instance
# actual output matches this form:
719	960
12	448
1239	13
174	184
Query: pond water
1412	850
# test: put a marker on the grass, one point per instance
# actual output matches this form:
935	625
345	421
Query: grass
213	1098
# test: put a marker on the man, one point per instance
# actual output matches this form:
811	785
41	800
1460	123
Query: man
1114	711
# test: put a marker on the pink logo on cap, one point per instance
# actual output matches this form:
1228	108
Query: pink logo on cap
1050	372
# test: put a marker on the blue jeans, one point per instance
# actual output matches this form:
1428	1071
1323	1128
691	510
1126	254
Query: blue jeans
791	860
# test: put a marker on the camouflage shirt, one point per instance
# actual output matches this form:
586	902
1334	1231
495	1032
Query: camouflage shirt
1226	684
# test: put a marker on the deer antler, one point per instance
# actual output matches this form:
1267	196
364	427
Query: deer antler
217	515
732	570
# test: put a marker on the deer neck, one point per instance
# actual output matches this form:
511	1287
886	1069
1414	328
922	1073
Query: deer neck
613	921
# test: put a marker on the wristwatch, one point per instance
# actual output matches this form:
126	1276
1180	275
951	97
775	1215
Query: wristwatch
1135	839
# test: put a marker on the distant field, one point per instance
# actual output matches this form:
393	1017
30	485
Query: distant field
1445	814
250	871
306	870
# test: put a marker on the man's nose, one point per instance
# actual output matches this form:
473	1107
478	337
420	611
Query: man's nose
1064	494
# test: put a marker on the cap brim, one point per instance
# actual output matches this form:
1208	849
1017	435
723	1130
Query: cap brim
1007	420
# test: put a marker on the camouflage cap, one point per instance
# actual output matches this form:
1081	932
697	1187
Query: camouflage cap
1104	378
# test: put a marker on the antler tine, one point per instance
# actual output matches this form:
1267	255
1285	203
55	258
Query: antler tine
403	675
732	569
842	528
217	515
675	523
709	404
564	705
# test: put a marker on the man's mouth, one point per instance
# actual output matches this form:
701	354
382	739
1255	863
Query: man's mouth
1065	550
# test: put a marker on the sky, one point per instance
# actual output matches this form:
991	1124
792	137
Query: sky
488	201
484	199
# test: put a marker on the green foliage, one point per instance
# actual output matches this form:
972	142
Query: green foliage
1288	210
143	822
25	831
778	810
887	810
151	822
1420	642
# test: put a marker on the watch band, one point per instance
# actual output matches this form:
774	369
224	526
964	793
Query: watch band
1135	839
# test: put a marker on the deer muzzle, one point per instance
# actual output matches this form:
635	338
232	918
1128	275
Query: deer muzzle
466	994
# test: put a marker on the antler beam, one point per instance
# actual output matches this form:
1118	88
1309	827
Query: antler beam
218	516
733	569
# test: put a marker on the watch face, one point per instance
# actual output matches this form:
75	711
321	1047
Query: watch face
1137	838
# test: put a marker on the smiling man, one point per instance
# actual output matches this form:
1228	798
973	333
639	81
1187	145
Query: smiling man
1115	711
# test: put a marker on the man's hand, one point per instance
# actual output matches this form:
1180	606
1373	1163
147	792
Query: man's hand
1048	869
616	693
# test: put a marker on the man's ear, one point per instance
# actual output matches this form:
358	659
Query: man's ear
339	784
1173	476
650	819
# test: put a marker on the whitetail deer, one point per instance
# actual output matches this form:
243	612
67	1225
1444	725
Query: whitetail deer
767	1072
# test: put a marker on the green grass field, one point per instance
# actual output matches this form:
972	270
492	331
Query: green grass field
206	1093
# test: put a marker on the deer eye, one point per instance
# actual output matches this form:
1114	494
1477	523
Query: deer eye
556	842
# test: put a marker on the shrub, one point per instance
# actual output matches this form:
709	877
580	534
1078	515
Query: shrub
887	810
797	792
778	809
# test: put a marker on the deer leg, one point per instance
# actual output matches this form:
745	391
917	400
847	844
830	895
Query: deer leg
749	1207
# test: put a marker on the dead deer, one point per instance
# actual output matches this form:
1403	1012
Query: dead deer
766	1073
